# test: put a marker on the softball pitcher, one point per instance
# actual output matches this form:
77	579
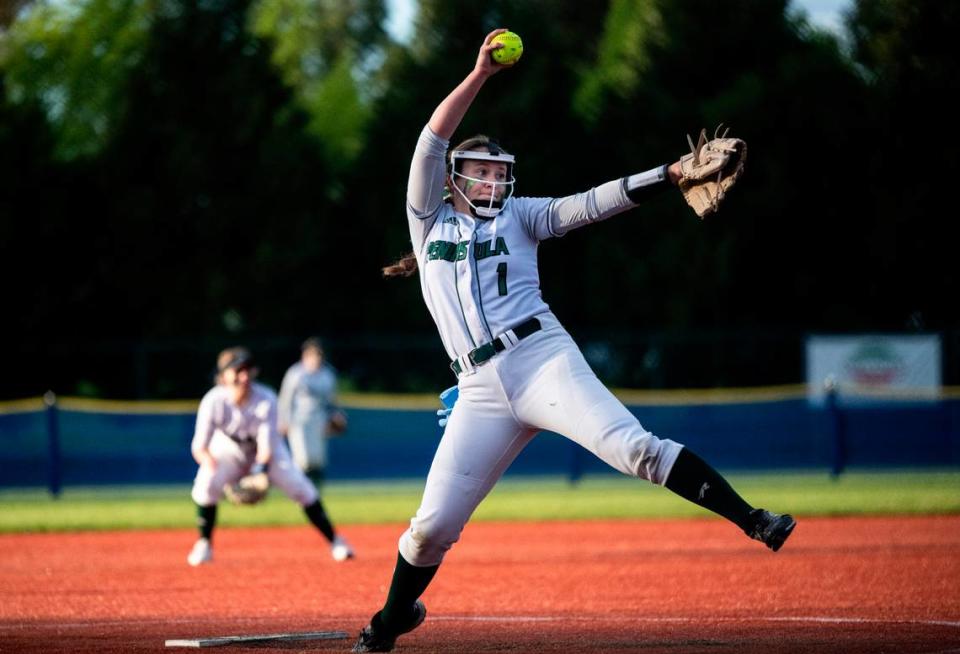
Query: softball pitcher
518	370
237	434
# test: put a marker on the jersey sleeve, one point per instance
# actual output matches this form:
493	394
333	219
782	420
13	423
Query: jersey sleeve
425	185
268	437
599	203
330	401
285	400
203	431
534	215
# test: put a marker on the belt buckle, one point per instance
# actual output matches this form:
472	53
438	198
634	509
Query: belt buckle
482	354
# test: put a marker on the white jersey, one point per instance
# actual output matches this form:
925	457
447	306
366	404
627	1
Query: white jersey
480	281
306	402
307	396
234	435
480	278
252	426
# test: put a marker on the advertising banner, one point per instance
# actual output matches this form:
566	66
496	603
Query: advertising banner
874	367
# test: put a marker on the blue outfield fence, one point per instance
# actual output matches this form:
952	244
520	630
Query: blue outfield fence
91	442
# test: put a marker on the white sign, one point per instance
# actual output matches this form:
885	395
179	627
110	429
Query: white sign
874	366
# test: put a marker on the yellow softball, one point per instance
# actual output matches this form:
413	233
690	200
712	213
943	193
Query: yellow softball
511	51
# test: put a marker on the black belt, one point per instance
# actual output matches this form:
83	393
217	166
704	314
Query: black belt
488	350
242	442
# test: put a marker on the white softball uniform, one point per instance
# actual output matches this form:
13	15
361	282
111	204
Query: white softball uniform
480	281
306	399
233	434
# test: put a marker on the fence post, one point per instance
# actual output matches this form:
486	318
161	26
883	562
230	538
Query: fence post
575	472
951	410
839	459
53	443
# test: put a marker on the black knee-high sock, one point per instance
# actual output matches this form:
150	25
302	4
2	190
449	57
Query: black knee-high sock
693	479
316	475
206	520
408	584
319	519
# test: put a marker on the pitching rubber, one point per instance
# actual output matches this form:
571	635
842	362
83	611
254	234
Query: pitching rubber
220	641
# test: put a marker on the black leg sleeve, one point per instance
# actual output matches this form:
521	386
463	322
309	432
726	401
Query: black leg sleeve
318	517
206	520
694	479
407	586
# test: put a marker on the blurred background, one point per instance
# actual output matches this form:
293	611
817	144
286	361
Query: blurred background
178	177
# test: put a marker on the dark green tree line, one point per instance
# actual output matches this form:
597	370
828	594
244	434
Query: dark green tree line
184	175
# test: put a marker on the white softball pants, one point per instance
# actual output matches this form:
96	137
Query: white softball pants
233	462
543	383
308	443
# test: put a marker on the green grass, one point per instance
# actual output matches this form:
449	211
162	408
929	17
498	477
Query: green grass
611	497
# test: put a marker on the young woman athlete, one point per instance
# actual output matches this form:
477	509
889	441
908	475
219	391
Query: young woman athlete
518	370
236	434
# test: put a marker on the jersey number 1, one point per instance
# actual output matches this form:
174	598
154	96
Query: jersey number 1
502	278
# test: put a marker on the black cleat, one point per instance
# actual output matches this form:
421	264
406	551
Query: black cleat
376	638
771	529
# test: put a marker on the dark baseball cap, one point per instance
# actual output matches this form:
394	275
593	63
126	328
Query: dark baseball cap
238	358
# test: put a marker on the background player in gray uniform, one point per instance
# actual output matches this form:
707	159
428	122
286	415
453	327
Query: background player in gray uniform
237	434
519	372
308	409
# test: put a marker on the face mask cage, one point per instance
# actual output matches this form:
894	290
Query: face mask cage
502	191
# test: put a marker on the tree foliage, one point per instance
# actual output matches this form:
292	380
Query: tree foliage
328	51
73	60
183	174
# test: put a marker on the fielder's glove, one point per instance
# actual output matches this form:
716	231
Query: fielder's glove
710	170
337	423
448	398
249	489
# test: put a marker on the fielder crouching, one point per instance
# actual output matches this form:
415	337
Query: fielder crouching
236	435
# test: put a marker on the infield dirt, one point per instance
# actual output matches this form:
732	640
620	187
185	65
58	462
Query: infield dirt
839	585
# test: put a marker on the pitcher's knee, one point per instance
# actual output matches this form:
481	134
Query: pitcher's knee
654	457
424	546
